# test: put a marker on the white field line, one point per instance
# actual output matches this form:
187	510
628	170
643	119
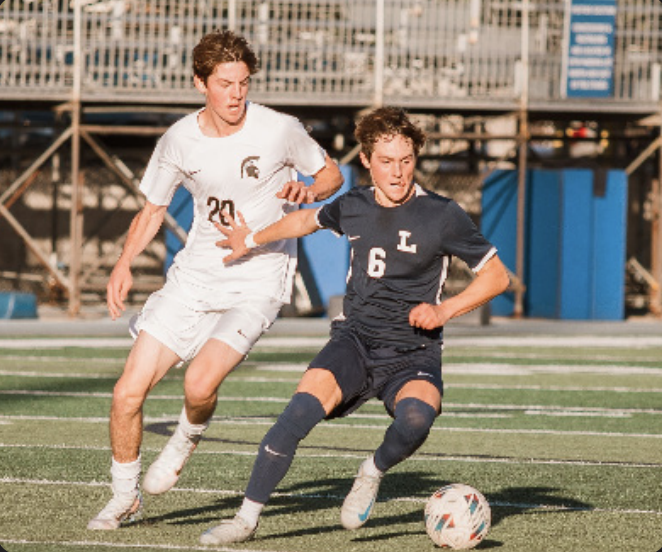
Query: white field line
582	410
330	425
268	342
498	387
303	453
501	369
449	358
530	369
60	375
507	369
63	342
135	546
43	358
255	379
451	355
328	496
482	386
560	341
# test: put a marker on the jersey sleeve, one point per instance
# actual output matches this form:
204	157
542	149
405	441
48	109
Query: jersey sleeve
328	215
304	153
162	175
462	239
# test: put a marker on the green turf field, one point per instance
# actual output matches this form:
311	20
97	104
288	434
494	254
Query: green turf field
562	435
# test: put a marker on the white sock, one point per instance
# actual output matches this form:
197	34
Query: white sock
369	467
125	476
250	511
190	430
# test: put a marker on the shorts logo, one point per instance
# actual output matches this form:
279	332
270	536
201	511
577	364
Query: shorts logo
249	168
191	173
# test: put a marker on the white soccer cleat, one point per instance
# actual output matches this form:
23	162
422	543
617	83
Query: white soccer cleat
229	531
121	510
164	472
358	504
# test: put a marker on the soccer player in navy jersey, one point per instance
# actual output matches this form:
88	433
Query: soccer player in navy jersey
387	341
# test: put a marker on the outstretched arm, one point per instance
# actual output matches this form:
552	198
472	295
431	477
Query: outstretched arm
240	238
490	281
143	228
327	181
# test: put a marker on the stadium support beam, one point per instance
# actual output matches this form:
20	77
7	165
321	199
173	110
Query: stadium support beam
76	211
655	293
27	174
641	158
130	180
518	308
655	300
20	186
34	248
75	218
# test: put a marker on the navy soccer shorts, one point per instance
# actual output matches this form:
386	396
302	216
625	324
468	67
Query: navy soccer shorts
364	372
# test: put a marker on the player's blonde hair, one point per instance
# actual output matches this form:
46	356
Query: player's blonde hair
384	122
222	47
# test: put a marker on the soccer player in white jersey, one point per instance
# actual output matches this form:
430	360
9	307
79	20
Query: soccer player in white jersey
387	341
232	155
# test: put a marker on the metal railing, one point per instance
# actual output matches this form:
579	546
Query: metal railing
418	53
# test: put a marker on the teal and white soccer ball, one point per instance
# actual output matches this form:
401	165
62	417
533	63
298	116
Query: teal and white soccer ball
457	517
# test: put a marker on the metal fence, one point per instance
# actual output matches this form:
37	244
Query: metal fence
416	53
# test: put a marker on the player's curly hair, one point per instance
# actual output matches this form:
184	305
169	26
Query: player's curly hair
387	121
222	47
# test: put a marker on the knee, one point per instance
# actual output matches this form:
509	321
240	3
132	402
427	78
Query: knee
302	413
414	419
127	396
198	391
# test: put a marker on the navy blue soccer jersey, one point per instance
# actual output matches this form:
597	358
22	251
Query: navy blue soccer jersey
399	259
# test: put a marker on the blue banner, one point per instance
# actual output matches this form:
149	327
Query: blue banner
588	64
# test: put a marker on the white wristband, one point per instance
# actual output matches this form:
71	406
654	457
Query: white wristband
249	241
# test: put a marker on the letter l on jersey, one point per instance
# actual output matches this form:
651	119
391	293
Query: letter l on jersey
403	245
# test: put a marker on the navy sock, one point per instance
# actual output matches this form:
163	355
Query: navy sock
410	428
279	445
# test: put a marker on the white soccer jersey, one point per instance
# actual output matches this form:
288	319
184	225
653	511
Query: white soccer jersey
237	173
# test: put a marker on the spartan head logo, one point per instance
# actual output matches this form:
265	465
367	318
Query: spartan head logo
249	167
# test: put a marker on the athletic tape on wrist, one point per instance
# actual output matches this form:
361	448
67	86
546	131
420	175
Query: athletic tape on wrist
249	241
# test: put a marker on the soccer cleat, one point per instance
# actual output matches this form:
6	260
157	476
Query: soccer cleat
358	504
164	472
121	510
229	531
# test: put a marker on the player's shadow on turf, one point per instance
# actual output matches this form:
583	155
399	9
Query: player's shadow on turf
223	508
512	501
166	429
329	494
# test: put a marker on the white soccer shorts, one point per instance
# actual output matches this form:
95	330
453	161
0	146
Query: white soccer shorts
185	328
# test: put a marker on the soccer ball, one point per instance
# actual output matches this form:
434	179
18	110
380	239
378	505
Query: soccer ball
457	516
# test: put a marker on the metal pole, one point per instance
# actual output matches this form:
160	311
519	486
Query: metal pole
75	224
380	27
518	309
232	15
655	304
